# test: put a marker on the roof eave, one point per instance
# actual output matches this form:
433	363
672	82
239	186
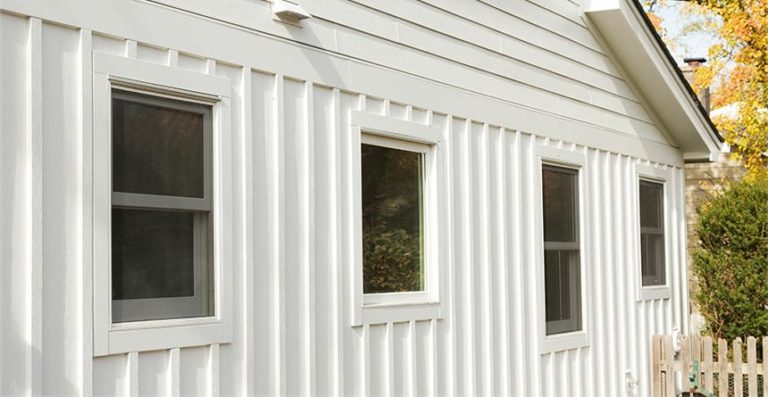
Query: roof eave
624	26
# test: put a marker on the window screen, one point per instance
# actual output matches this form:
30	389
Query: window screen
652	233
161	208
393	231
562	269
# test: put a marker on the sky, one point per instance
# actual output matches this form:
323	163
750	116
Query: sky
690	45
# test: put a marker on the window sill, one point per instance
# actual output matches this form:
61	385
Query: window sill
561	342
654	293
382	313
164	334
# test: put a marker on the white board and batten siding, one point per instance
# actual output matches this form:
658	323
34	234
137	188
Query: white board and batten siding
499	80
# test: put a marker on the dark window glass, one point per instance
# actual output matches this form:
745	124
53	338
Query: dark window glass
563	292
156	149
559	191
562	268
392	220
152	254
652	233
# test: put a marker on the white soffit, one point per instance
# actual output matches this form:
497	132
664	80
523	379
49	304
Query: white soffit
622	26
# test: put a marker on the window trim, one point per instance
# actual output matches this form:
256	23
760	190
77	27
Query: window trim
661	175
126	74
574	159
404	135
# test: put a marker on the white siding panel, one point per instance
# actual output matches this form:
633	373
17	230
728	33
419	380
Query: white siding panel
61	210
294	247
20	208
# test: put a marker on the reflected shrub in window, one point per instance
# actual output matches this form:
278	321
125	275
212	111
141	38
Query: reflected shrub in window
392	195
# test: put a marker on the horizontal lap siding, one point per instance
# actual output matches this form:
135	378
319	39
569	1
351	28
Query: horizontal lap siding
293	247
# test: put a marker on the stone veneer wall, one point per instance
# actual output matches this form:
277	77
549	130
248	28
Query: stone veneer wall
700	178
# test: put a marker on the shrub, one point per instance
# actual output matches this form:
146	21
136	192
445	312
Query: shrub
732	262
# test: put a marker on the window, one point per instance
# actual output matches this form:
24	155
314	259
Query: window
394	182
653	269
162	220
161	208
562	270
393	226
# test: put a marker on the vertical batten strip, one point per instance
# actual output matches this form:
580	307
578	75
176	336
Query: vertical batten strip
308	244
173	58
635	357
468	270
600	350
412	366
85	259
486	287
248	213
531	286
131	48
35	207
433	373
389	360
366	352
174	372
620	261
213	370
513	183
502	260
449	325
337	316
132	374
275	163
608	263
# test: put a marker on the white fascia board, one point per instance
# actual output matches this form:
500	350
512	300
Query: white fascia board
623	28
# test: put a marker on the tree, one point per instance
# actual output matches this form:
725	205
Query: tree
738	65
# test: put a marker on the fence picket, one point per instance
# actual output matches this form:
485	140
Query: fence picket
696	354
765	366
752	366
722	360
738	370
707	368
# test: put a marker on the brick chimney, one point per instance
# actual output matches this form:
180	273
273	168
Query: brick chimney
691	65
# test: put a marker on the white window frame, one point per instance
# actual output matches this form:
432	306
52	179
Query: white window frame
404	135
576	160
186	305
111	71
661	175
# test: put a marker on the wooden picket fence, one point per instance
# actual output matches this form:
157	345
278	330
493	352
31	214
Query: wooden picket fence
719	371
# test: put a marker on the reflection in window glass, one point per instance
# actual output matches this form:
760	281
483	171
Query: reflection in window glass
562	268
652	233
392	195
152	254
157	150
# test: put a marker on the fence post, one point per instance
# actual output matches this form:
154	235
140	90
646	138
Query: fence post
656	366
669	361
